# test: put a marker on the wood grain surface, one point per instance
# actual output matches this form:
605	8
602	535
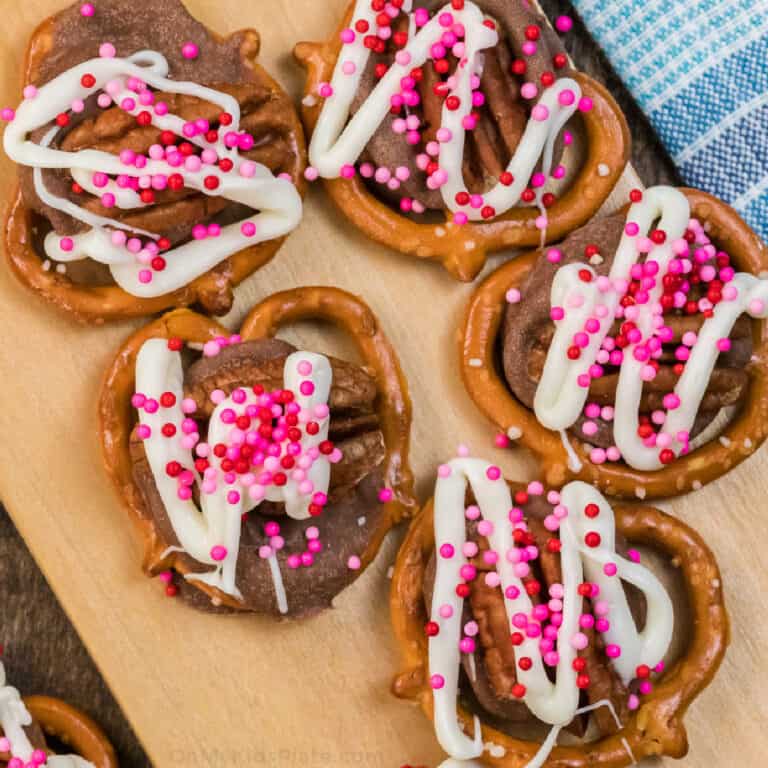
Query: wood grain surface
241	691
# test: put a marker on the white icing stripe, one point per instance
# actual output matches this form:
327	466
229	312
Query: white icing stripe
277	200
14	717
218	521
339	140
281	598
554	703
560	400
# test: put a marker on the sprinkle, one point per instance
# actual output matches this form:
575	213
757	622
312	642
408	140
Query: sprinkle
353	563
87	10
190	50
107	51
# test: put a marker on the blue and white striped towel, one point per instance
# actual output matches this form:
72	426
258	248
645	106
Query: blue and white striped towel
699	70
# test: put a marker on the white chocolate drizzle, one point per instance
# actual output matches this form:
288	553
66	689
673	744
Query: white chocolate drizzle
218	520
560	398
554	703
339	140
276	200
15	717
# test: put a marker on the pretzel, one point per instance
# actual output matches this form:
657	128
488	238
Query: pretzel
73	728
392	408
462	238
25	724
655	727
688	470
195	264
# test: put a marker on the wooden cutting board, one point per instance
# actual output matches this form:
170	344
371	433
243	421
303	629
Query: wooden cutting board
243	691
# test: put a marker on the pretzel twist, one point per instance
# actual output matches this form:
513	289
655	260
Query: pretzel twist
101	303
350	314
656	728
463	250
740	439
73	728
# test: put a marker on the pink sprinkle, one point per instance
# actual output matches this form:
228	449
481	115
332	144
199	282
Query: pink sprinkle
354	563
493	473
7	114
311	173
437	682
248	228
190	50
29	92
563	23
566	97
460	219
107	51
529	91
218	553
66	244
347	36
554	256
87	10
385	495
145	276
585	104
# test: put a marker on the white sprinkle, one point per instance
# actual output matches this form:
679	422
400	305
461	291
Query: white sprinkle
469	245
309	100
440	232
216	602
716	583
361	521
47	265
640	492
696	485
61	268
747	443
596	260
603	169
475	362
725	441
514	433
390	571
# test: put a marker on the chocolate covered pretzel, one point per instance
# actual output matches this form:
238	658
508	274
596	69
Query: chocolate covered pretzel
26	726
518	608
437	128
157	162
262	477
631	355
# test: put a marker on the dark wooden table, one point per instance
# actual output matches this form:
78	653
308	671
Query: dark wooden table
42	651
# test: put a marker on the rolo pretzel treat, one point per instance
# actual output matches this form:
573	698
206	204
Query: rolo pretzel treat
26	726
632	355
262	477
158	162
444	130
523	613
